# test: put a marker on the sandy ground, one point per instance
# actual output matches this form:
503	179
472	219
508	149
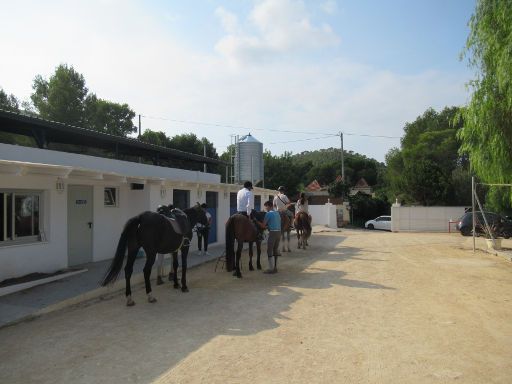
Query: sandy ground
357	307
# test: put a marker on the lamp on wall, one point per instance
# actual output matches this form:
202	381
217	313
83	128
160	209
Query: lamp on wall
59	185
163	192
199	193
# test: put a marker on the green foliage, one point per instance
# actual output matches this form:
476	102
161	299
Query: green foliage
284	170
108	117
61	98
187	142
65	98
365	208
338	189
422	170
9	102
487	132
327	166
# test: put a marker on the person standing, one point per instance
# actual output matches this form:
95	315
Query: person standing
203	232
272	222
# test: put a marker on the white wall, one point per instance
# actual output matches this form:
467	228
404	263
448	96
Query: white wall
108	222
428	219
323	215
48	256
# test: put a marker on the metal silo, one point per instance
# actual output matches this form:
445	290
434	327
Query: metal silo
248	160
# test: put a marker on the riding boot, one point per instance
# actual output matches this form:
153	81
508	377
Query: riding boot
271	265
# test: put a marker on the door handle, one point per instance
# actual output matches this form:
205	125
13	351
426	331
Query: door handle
89	224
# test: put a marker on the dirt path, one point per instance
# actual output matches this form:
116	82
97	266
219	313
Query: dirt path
358	307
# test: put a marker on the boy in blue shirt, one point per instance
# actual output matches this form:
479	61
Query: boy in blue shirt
272	222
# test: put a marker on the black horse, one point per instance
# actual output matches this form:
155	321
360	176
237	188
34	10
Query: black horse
155	234
241	229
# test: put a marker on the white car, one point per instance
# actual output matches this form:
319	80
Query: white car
381	222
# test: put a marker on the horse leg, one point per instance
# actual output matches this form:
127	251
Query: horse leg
159	268
238	273
298	238
128	270
251	268
275	251
258	251
175	270
282	239
184	254
150	260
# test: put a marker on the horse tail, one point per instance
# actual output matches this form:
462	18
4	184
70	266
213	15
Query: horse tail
230	244
117	263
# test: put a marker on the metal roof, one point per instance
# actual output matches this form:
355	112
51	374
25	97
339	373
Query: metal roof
45	131
248	139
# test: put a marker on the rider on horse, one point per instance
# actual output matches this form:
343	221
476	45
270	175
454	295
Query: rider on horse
245	204
282	203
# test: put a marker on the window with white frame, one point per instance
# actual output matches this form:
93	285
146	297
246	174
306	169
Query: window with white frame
20	215
110	196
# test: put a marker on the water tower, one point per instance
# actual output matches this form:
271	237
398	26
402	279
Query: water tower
248	160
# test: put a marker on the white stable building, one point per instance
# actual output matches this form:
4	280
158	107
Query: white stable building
61	209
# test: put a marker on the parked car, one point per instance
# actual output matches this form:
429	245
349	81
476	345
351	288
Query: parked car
381	222
465	224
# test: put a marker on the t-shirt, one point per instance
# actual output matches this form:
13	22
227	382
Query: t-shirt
245	201
273	221
281	201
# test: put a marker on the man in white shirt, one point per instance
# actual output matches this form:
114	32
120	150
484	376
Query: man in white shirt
245	200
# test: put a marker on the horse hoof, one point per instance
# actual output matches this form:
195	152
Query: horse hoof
130	303
184	289
177	286
159	281
239	275
259	267
151	299
251	268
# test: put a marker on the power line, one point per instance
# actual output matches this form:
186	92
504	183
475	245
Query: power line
294	141
326	134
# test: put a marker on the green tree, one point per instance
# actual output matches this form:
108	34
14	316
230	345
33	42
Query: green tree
339	189
108	117
422	170
61	98
9	102
156	138
487	129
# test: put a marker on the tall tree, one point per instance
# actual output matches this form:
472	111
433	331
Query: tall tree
487	131
8	102
108	117
61	98
421	171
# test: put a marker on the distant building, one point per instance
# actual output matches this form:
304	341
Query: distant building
361	186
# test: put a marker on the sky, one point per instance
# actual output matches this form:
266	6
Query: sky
291	72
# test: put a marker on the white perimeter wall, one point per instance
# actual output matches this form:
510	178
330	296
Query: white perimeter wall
428	219
323	215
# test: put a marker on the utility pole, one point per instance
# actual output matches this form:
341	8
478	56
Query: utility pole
204	154
473	213
342	158
140	133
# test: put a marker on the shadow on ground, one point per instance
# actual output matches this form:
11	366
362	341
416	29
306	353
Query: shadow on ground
108	342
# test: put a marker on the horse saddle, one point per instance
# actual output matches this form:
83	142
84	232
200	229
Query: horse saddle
177	218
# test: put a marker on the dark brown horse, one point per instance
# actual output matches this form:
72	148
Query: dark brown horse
155	234
303	227
241	229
